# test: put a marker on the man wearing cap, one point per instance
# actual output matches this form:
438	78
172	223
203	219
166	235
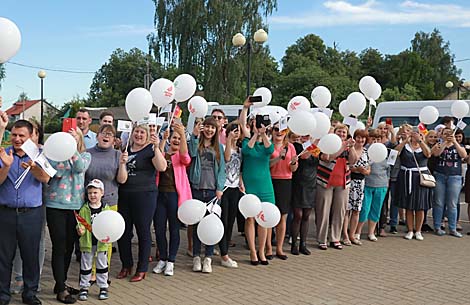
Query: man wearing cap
20	213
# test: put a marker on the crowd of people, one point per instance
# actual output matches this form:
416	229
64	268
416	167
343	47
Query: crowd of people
146	176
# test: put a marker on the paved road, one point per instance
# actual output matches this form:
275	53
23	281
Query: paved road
390	271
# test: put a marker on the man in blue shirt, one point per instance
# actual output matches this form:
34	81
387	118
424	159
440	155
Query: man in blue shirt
21	214
83	122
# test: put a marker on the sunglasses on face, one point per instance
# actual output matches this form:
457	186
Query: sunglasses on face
276	129
217	117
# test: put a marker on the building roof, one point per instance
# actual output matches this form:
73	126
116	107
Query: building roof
20	106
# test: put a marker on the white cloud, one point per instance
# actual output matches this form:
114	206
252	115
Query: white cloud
117	30
343	12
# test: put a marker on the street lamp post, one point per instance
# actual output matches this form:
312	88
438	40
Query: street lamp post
249	48
42	75
465	85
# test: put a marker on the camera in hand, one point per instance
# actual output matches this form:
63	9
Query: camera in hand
255	99
262	119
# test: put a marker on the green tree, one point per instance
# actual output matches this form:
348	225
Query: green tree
436	54
408	93
2	74
372	63
196	37
123	72
53	122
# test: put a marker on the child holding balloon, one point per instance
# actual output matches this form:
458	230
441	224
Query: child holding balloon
89	245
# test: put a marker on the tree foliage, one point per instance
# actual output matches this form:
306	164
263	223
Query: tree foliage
196	37
2	74
123	72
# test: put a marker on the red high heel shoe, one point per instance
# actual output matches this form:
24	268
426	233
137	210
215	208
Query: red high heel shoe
125	272
139	276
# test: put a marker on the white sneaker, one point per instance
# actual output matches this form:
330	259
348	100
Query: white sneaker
197	264
419	236
357	236
230	263
207	265
169	268
409	235
372	237
159	267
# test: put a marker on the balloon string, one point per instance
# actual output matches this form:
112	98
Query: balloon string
215	198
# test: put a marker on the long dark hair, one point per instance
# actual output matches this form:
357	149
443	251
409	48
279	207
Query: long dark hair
215	139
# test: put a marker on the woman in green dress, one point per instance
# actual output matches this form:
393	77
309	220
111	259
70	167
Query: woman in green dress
256	152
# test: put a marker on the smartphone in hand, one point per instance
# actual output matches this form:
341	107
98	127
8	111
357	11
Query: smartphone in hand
255	99
388	121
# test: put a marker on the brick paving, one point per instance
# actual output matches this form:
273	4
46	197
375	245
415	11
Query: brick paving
390	271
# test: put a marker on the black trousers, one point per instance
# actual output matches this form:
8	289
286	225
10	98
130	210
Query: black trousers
137	209
62	229
22	228
229	207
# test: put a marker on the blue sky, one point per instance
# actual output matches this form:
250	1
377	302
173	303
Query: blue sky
81	35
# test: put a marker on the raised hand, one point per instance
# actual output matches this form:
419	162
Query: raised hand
7	159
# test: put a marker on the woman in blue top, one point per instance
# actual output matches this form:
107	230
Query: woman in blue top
256	151
448	174
64	195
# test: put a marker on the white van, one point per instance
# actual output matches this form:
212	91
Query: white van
408	112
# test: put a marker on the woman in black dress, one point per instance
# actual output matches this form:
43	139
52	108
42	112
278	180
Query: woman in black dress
413	197
304	182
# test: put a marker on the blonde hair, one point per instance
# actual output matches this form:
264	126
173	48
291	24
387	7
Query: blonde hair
81	141
341	126
145	127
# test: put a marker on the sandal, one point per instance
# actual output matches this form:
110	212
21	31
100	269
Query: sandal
357	242
322	247
337	245
347	242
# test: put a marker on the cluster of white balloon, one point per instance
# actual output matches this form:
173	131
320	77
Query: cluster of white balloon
210	229
266	214
163	92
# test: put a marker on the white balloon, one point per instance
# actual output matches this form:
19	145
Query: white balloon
428	115
377	152
356	103
265	94
269	216
10	39
344	108
321	96
108	226
198	106
298	103
359	125
185	87
249	205
366	85
323	125
60	146
459	109
302	122
162	91
375	92
138	104
210	230
191	211
330	144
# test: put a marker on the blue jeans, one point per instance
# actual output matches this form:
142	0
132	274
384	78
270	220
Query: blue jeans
204	196
167	211
447	192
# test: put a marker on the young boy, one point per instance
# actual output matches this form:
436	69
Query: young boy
89	245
